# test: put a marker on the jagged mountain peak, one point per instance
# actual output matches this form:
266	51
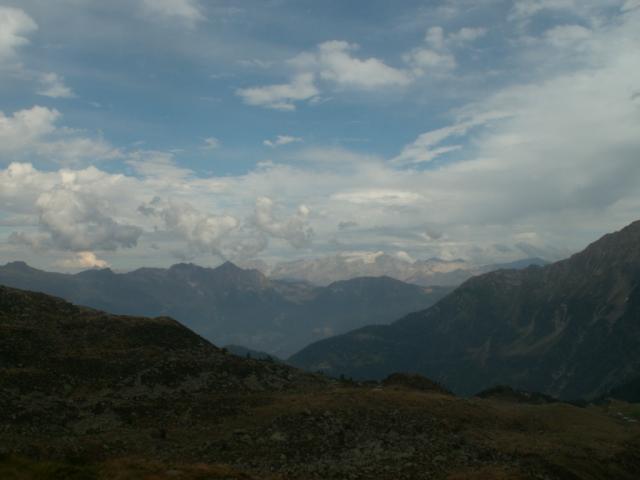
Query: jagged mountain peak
97	272
185	267
227	271
18	265
229	266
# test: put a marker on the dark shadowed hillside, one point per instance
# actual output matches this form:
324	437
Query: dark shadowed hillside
230	305
59	348
570	329
86	395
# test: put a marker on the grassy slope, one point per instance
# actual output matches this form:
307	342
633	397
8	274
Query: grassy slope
347	432
90	396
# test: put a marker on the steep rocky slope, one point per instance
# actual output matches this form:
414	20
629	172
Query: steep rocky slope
570	329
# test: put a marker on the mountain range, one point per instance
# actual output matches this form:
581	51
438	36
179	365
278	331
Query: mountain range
231	305
344	266
570	329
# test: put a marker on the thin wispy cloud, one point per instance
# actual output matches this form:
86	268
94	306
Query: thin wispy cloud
52	85
16	26
281	140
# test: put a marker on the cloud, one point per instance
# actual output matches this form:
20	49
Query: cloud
158	167
467	34
424	60
72	209
82	260
15	26
524	9
562	162
630	5
74	151
211	143
52	85
26	127
435	37
384	197
345	225
281	96
78	220
281	140
437	57
567	35
333	61
187	11
427	146
34	132
294	229
255	63
203	232
225	235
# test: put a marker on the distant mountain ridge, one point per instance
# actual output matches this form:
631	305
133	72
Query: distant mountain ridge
231	305
570	329
344	266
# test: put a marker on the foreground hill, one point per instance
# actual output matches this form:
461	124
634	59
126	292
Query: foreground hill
230	305
58	348
92	396
570	329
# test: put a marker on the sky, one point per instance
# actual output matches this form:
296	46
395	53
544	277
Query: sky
149	132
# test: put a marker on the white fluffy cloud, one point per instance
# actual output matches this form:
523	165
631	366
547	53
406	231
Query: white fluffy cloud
294	229
225	235
281	96
281	140
25	128
425	60
34	132
204	232
81	261
52	85
334	61
75	210
15	26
